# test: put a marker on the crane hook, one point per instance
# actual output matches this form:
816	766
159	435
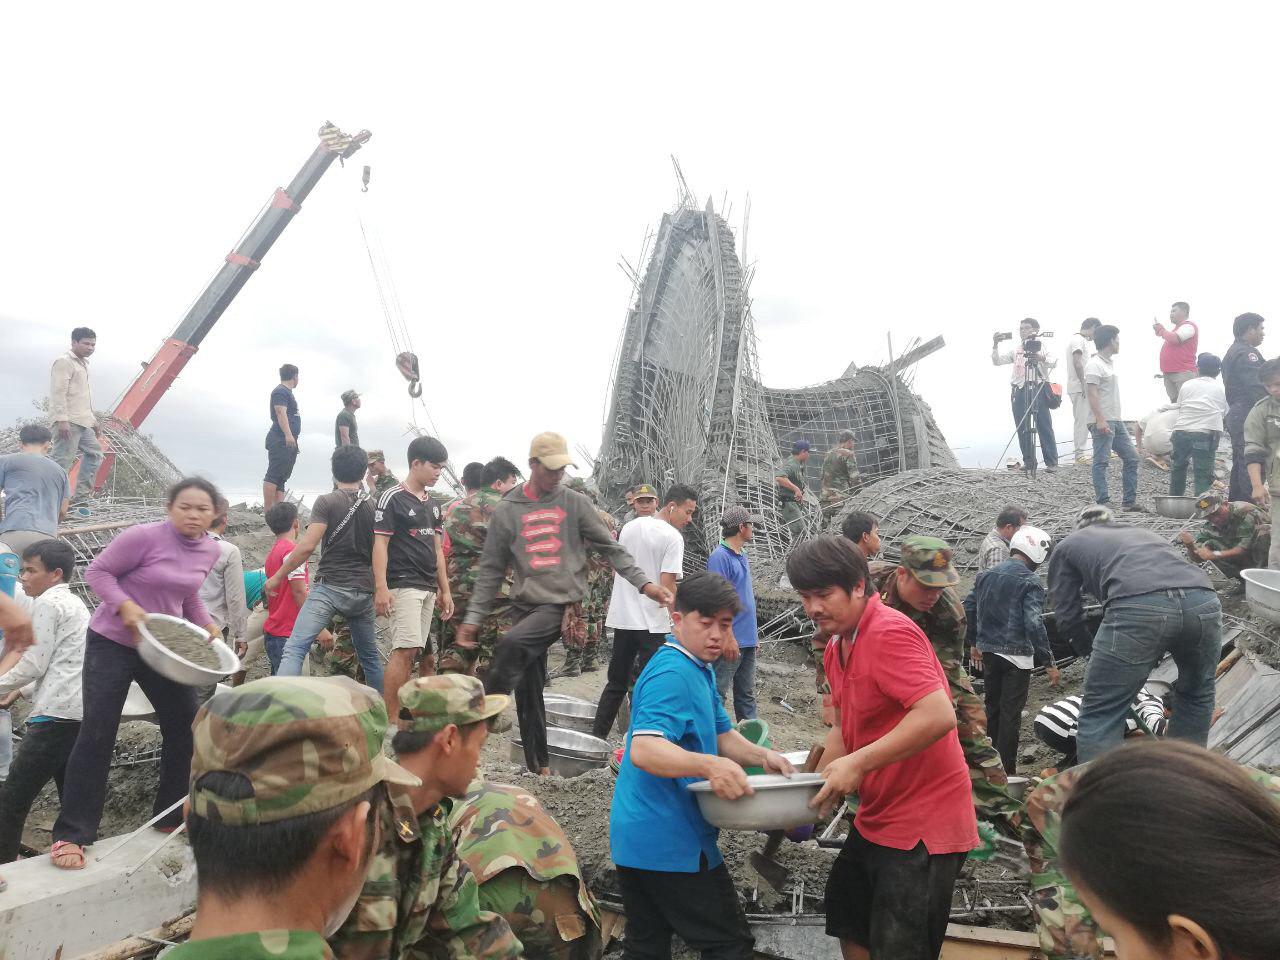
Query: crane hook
364	179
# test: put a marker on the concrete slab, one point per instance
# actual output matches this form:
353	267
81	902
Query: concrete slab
48	913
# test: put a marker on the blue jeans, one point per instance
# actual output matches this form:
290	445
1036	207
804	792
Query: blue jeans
323	601
1135	633
742	674
275	650
1102	445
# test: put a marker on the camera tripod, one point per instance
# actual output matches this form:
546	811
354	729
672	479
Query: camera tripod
1034	384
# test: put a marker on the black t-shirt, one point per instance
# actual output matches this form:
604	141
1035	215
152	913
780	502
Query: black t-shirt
346	555
345	419
282	396
412	526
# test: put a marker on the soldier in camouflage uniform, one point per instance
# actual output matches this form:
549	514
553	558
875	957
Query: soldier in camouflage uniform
840	476
466	528
1066	929
1235	536
583	625
379	479
527	871
291	747
927	561
419	898
791	487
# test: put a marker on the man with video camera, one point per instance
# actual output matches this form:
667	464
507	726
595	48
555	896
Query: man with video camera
1030	395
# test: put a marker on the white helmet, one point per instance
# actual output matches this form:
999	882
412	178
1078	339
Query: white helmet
1032	542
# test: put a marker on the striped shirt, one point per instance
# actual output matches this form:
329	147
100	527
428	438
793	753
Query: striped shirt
1057	723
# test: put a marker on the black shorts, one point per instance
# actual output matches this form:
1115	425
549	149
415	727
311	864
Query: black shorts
280	460
894	903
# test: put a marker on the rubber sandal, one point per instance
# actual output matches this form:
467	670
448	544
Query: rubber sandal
59	849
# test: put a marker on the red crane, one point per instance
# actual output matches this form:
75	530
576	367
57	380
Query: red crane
164	367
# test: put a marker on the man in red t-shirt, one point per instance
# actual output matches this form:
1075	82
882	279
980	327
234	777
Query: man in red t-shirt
282	609
894	744
1179	350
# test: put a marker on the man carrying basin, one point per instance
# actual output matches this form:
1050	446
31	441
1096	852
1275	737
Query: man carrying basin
672	875
894	744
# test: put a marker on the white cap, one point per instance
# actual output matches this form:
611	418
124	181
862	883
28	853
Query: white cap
1032	542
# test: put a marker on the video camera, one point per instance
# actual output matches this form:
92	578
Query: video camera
1033	346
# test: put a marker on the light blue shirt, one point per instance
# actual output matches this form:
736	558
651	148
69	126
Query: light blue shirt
34	488
735	568
655	823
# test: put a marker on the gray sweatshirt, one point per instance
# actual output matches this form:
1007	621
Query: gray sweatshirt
1110	561
545	544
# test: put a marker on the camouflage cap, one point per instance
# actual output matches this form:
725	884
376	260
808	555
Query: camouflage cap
377	456
929	560
435	702
646	490
1208	503
1094	513
305	744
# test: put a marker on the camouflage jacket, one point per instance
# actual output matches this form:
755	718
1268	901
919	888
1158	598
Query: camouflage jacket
840	476
419	899
1244	526
944	625
599	575
387	481
497	826
466	526
263	945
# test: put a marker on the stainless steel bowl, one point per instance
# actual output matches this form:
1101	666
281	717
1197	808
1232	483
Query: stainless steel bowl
1176	508
778	803
168	664
136	705
571	715
1018	787
569	752
1262	591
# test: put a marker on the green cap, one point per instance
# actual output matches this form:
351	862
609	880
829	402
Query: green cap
305	744
929	560
435	702
646	490
1208	503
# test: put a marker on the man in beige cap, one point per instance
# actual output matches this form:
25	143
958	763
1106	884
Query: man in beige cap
541	530
286	774
417	897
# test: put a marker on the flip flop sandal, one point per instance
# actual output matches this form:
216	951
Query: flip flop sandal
60	849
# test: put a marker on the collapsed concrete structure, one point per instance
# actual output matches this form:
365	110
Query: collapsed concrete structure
687	403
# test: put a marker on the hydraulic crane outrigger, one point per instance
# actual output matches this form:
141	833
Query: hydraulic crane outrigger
164	367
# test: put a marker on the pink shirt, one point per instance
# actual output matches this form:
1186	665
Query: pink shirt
1179	356
888	667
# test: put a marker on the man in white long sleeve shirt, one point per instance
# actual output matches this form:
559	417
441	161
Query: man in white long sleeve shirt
223	590
1030	394
75	428
1201	406
51	669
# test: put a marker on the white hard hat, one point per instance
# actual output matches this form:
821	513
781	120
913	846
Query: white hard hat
1031	541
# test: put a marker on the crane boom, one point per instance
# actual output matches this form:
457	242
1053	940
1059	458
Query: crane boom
157	375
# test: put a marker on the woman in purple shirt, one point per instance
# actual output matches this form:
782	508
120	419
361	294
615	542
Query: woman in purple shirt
150	568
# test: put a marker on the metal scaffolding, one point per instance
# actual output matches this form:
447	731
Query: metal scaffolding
687	403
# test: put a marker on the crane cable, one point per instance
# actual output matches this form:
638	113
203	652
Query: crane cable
406	359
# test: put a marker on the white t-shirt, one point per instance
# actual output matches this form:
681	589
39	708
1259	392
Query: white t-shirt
1082	344
658	548
1202	403
1157	431
1101	372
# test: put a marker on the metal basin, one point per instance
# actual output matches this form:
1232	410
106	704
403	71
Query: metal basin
1018	787
168	664
569	752
1262	591
571	714
778	803
136	705
1176	508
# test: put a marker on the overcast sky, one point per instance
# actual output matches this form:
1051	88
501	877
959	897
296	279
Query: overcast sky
920	169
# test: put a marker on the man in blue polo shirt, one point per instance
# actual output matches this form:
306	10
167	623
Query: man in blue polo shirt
672	875
737	664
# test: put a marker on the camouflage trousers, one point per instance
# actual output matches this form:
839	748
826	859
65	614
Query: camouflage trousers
1064	925
991	797
581	630
545	915
340	660
454	659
